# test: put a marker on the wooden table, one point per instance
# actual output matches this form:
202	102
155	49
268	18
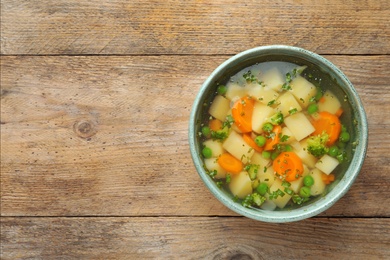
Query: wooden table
95	102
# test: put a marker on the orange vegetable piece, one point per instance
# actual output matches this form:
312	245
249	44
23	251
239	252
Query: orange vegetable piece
242	111
248	139
288	165
328	178
339	112
230	163
269	144
215	124
330	124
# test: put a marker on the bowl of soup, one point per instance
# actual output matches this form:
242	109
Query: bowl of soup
278	133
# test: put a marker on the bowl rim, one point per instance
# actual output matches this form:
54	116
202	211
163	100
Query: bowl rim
324	202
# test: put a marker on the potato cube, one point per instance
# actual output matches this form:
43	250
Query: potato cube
329	102
268	205
287	132
302	90
273	78
262	94
215	146
213	165
220	107
280	201
297	184
235	91
319	185
240	185
287	102
237	147
327	164
299	125
261	114
258	159
307	158
266	176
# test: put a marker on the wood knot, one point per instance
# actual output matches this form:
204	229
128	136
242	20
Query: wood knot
84	129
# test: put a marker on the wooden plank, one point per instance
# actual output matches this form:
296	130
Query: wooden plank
193	238
107	136
192	27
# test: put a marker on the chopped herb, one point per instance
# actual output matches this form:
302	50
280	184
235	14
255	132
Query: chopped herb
271	102
228	122
228	178
292	111
284	138
286	86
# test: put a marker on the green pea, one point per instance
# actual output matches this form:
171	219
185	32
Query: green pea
288	148
341	145
304	192
308	181
341	157
344	137
266	154
222	89
312	108
206	131
260	140
262	188
318	95
207	153
274	155
267	127
333	151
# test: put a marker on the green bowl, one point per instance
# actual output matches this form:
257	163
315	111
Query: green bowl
355	121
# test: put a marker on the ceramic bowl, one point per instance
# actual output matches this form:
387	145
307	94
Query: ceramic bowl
354	119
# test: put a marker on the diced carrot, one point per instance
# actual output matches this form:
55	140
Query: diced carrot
321	100
330	124
328	178
242	113
288	165
230	163
339	112
215	124
248	139
274	139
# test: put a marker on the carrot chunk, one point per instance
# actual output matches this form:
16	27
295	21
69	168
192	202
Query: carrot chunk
230	163
288	165
242	111
215	124
330	124
248	139
274	139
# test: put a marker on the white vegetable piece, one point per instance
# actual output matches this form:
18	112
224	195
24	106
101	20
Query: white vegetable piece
299	125
329	103
319	185
327	164
220	107
302	90
258	159
280	201
237	147
262	94
240	185
268	176
234	91
215	146
287	102
273	78
268	205
297	184
212	164
261	114
287	132
307	158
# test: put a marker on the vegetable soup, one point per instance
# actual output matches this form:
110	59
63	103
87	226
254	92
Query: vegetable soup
273	136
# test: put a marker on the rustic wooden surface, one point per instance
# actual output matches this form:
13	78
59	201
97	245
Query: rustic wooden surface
95	101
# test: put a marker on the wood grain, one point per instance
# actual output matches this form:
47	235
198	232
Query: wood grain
192	27
107	136
193	238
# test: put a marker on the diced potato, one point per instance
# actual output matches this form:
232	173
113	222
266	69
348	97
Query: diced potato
319	185
297	184
302	90
237	147
235	91
258	159
273	78
262	94
212	164
307	158
240	185
268	176
299	125
268	205
280	201
327	164
261	113
329	102
220	107
215	146
287	132
287	102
